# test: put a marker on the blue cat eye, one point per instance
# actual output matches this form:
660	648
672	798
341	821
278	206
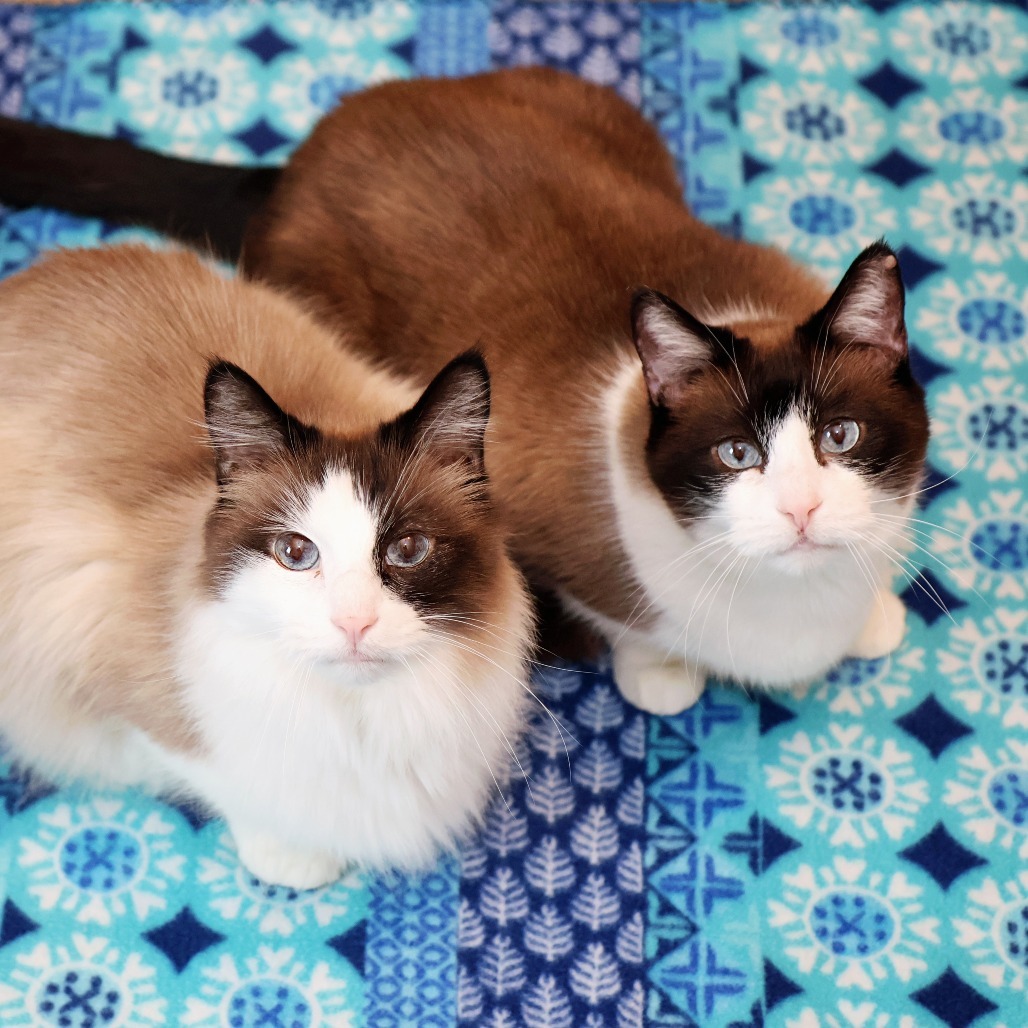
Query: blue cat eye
295	552
738	454
408	551
840	436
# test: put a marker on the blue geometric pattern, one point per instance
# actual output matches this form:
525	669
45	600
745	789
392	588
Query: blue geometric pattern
851	853
551	922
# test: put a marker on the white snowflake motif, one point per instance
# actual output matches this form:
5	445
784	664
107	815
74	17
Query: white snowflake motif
346	28
851	1015
169	28
984	548
995	931
961	42
192	97
101	859
244	992
983	427
980	216
969	127
856	685
991	794
305	89
811	123
236	894
812	38
986	664
982	319
86	982
821	216
847	785
852	926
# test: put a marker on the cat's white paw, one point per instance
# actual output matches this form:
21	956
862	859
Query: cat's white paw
655	685
884	629
276	863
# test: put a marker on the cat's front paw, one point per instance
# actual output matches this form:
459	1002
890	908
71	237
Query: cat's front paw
883	631
655	685
275	863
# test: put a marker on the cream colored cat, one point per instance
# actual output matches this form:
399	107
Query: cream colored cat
316	631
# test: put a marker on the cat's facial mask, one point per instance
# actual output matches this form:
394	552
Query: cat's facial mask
797	450
353	553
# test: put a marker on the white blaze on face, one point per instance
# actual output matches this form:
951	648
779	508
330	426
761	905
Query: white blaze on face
793	474
796	497
340	608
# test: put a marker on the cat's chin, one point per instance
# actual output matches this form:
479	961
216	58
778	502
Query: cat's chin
357	670
806	555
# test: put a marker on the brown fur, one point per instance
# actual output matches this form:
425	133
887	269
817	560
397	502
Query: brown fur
516	211
102	362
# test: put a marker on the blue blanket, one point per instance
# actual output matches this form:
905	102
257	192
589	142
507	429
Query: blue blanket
855	856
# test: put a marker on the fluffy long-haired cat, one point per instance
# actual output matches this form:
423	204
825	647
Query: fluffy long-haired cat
316	631
718	474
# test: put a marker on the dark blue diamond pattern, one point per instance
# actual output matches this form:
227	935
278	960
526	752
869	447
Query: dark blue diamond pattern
898	168
930	599
932	725
351	944
261	138
915	267
182	938
953	1001
889	84
19	789
762	844
942	856
924	368
266	44
14	923
772	714
777	986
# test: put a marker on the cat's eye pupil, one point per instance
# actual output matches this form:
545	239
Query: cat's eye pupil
295	552
840	436
408	550
738	454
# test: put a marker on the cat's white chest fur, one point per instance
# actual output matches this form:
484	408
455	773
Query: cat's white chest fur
347	774
718	596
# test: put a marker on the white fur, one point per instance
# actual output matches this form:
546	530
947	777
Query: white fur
318	763
860	315
750	605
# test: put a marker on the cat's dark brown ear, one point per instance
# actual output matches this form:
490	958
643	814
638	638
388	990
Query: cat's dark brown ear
245	425
672	345
451	417
867	307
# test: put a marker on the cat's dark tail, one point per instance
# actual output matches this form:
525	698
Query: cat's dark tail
205	205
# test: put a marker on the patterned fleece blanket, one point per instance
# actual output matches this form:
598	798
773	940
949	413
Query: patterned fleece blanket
855	856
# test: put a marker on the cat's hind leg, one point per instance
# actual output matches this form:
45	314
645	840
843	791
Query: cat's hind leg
883	631
655	683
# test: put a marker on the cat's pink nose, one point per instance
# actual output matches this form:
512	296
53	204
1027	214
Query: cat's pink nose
801	512
355	626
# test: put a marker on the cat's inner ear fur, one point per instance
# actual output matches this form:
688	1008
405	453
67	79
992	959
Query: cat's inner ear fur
246	427
867	307
450	420
672	345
